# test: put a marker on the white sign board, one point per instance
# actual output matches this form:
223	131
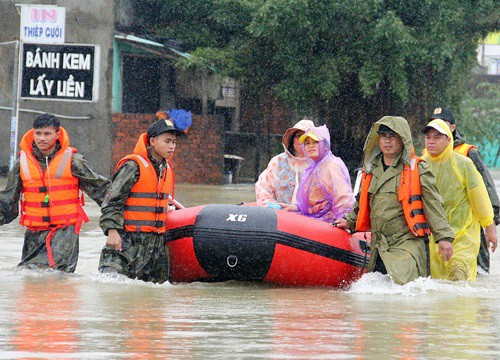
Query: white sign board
42	24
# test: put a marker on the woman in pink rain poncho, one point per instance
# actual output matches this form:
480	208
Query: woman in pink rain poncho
325	188
279	182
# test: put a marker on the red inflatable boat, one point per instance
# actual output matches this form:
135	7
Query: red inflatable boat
250	243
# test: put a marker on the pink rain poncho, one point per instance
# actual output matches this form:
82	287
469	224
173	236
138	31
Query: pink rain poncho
325	189
278	183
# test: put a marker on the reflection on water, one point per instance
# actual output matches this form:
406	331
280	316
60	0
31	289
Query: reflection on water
472	334
44	320
86	315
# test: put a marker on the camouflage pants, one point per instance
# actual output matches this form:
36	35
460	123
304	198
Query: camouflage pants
64	245
144	256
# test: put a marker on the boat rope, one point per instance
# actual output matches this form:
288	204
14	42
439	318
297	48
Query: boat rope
280	237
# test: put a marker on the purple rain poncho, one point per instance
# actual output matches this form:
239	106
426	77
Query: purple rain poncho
325	189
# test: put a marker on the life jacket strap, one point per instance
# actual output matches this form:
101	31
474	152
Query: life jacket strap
44	189
82	218
43	204
48	240
148	209
414	198
416	212
148	195
421	230
48	219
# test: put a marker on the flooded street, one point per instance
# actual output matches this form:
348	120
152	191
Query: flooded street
86	315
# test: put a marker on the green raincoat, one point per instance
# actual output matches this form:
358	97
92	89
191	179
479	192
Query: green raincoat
404	255
467	207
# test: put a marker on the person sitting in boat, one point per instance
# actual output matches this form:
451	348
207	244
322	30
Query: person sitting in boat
325	189
466	204
279	182
134	212
391	176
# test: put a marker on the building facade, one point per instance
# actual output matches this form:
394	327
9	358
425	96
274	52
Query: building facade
88	122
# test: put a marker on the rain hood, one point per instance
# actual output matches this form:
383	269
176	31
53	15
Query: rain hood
371	149
325	189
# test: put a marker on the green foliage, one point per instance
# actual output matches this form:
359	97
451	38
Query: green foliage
352	60
391	46
480	118
204	23
306	50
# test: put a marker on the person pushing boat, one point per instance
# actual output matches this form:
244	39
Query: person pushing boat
398	246
134	213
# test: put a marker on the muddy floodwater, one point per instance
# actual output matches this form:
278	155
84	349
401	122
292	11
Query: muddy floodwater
86	315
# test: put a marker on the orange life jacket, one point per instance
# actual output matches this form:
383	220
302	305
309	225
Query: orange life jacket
52	197
409	194
147	205
463	149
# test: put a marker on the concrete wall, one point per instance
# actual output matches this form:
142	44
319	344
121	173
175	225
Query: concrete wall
87	22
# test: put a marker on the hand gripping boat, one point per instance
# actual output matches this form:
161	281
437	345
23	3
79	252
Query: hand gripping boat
250	243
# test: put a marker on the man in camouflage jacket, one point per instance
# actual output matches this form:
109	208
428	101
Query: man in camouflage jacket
51	245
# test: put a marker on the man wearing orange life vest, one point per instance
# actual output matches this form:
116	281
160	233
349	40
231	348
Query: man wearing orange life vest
471	151
48	178
134	213
399	203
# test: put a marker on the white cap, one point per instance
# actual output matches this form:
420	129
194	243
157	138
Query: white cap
435	126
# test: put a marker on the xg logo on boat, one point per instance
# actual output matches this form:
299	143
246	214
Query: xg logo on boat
237	217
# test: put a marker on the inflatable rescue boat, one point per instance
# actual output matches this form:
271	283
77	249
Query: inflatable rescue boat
249	243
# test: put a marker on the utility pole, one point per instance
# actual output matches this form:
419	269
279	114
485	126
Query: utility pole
15	108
